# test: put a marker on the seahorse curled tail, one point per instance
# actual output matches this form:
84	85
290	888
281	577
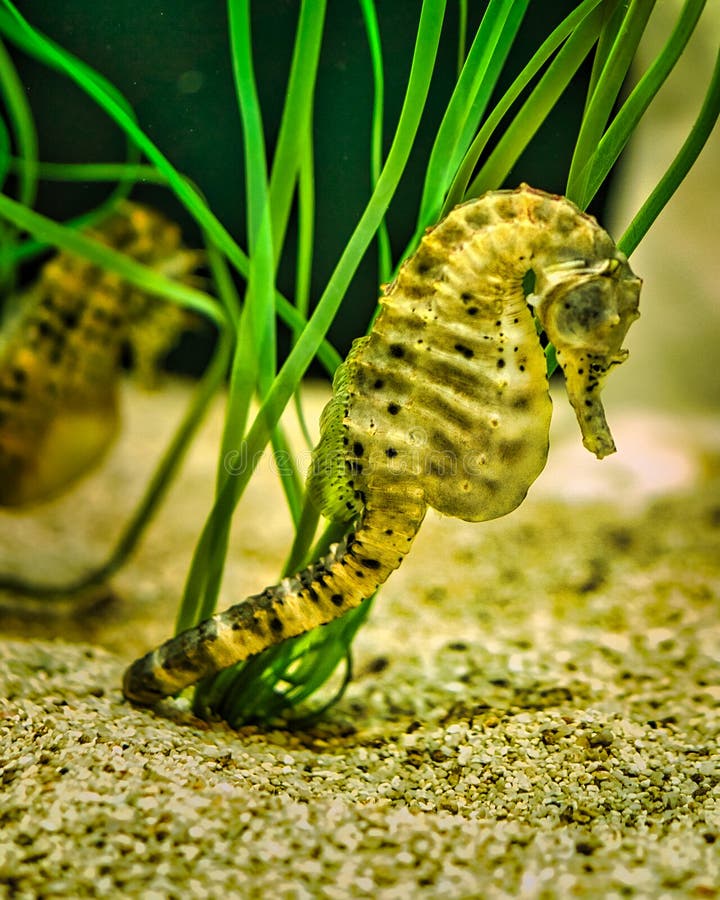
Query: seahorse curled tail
351	572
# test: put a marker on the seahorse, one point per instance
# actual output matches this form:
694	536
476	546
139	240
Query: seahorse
444	404
60	354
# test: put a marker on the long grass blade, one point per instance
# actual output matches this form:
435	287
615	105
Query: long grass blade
462	34
536	108
302	353
372	31
618	134
470	97
36	45
254	352
144	277
294	317
678	169
296	119
459	188
23	128
5	148
613	13
604	97
254	361
306	238
426	45
48	171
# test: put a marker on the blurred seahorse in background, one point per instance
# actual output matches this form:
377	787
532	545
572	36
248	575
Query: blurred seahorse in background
61	354
445	404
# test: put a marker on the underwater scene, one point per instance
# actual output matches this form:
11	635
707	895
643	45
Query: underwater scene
359	449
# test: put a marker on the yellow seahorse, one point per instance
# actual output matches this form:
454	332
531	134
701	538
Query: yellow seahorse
60	355
445	404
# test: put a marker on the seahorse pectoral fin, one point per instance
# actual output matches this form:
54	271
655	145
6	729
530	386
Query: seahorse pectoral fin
586	311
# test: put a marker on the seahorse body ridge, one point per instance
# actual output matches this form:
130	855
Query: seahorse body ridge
444	404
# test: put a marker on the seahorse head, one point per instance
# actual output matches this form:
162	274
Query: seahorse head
585	311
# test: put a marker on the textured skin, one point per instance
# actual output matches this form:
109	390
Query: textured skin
60	355
444	404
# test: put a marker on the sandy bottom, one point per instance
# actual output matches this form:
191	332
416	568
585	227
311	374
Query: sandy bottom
535	709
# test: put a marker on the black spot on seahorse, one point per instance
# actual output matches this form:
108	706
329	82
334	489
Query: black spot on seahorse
207	631
393	409
46	330
186	662
427	261
509	451
397	351
466	351
417	289
520	402
256	625
370	563
565	222
306	577
70	319
99	314
358	448
451	232
14	395
478	216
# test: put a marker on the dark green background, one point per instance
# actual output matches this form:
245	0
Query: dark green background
170	59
